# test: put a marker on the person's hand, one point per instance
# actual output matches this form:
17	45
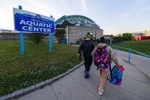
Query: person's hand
118	65
78	55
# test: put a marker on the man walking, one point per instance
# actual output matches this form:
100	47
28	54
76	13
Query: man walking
87	47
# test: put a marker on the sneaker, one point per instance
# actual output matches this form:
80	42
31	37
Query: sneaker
87	74
101	93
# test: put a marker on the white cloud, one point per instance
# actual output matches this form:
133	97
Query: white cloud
134	7
84	4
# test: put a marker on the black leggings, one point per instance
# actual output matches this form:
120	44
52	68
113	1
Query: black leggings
88	62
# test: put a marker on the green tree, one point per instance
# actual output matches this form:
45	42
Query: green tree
127	36
36	37
59	33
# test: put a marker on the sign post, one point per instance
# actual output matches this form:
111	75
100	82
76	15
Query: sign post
25	21
50	43
21	38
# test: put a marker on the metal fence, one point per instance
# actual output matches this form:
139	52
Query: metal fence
130	51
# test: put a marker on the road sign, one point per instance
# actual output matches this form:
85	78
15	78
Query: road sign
32	22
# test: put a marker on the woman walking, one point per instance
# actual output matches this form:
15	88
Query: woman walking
104	71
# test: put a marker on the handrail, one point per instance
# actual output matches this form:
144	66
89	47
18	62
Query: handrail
130	50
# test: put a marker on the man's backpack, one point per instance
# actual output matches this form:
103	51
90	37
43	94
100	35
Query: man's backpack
101	58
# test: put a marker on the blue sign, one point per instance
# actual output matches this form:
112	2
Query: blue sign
30	22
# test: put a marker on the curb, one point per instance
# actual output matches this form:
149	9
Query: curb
29	89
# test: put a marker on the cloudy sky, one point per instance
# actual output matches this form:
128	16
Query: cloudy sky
113	16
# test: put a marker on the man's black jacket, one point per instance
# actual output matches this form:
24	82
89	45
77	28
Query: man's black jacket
87	46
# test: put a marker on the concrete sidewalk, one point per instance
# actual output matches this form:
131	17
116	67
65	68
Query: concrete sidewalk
135	86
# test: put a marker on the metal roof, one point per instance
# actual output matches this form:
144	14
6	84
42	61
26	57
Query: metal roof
75	19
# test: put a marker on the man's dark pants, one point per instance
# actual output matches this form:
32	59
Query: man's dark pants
87	62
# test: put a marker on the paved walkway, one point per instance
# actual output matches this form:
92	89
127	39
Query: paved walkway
73	86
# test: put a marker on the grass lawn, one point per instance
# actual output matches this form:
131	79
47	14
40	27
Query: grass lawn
38	64
141	46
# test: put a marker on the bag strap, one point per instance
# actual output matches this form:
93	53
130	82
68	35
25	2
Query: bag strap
110	72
